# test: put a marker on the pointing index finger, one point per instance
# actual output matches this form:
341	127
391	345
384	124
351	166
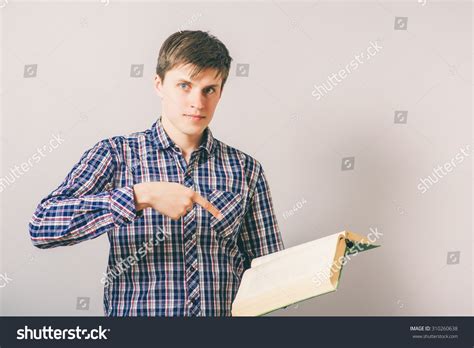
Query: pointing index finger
207	205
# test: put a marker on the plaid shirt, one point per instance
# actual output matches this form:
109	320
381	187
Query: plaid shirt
158	266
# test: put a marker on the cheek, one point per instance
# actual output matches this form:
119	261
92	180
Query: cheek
176	101
213	103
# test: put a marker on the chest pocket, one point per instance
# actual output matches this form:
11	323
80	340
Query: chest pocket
231	207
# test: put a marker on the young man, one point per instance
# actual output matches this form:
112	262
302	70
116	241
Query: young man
185	213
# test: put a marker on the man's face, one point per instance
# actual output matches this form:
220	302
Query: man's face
188	104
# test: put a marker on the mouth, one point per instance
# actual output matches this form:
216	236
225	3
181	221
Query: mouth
194	116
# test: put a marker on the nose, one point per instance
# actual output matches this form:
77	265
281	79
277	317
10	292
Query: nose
197	100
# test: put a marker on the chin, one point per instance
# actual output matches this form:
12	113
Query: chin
192	130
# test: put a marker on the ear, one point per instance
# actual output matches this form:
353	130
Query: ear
158	85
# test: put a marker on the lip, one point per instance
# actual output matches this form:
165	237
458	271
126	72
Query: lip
196	117
190	115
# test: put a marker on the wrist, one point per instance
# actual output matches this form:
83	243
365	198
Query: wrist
141	196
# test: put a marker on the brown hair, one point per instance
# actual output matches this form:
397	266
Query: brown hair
197	48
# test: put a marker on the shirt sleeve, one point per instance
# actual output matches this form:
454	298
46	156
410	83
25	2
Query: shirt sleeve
260	232
85	205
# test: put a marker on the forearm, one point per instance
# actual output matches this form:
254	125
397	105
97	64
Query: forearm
62	221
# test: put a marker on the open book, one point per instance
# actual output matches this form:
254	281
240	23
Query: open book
295	274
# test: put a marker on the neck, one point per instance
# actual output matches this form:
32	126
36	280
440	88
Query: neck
187	143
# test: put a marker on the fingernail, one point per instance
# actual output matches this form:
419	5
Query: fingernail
220	216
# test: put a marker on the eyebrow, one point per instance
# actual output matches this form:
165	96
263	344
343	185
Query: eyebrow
186	81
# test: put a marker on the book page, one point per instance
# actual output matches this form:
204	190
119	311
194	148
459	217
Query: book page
295	249
292	275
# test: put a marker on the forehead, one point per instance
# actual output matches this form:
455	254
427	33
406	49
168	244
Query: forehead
207	76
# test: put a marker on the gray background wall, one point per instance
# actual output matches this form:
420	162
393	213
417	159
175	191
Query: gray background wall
83	89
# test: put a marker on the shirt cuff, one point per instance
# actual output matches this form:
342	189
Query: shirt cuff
122	205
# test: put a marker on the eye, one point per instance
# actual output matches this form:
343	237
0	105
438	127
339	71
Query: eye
183	85
210	90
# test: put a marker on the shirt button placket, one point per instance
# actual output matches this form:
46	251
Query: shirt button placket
191	259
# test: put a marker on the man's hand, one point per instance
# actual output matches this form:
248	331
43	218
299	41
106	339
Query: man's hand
171	199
